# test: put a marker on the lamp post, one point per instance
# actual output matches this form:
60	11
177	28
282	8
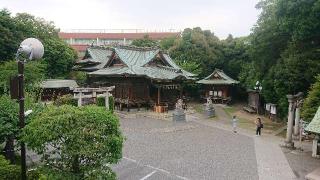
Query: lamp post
30	48
258	89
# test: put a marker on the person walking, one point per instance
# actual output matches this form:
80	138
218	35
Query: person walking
259	126
234	124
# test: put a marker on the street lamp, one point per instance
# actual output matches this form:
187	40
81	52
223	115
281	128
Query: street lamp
30	48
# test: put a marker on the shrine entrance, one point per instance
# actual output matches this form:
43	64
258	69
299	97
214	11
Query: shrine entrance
90	95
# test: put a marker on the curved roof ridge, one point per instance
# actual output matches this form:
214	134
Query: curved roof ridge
136	48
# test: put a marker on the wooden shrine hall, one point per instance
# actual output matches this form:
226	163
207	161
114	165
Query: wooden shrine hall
142	76
217	86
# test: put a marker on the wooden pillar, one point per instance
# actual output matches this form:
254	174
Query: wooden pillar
181	91
128	100
159	95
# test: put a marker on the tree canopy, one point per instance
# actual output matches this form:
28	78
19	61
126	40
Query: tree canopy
284	49
312	102
58	57
146	41
78	140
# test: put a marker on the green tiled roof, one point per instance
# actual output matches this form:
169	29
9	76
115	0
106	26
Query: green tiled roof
136	64
222	79
58	83
96	58
314	125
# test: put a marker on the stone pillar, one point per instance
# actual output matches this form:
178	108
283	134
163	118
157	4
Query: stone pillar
80	99
288	141
107	100
315	146
94	97
296	131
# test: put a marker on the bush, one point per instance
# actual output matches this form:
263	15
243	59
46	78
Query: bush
312	102
66	100
8	171
101	102
83	139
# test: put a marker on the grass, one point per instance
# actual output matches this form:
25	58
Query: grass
199	108
245	123
230	110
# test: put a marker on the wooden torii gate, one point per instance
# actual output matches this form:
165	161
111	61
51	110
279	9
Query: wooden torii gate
83	93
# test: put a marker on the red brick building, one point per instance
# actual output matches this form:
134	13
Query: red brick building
81	39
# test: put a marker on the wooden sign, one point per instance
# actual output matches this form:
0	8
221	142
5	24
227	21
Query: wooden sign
14	87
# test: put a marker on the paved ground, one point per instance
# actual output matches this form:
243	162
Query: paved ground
158	149
301	162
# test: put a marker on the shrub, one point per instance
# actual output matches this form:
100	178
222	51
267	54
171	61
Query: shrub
66	100
101	101
8	171
312	102
83	139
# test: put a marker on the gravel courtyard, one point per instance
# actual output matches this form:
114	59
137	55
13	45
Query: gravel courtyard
159	149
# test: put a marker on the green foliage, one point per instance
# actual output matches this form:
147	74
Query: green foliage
8	118
8	171
167	43
79	76
146	41
312	102
101	101
9	121
65	100
83	140
284	50
46	173
34	73
10	36
197	50
58	56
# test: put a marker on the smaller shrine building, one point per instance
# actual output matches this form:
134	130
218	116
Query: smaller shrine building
218	86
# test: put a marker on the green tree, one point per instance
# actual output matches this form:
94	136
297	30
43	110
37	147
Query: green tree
10	36
77	140
8	171
9	121
312	102
200	50
9	125
34	73
146	41
58	57
284	49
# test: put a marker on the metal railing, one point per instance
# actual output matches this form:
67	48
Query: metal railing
120	30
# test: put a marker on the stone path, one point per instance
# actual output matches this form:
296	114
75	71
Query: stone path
272	163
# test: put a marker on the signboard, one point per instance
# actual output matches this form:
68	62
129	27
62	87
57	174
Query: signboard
14	88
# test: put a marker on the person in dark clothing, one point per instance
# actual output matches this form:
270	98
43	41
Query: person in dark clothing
259	126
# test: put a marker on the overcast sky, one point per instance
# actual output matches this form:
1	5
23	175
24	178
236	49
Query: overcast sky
223	17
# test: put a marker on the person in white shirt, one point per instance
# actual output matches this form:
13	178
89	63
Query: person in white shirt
234	124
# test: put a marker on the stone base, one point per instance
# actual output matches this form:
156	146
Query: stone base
296	137
179	115
210	113
289	145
